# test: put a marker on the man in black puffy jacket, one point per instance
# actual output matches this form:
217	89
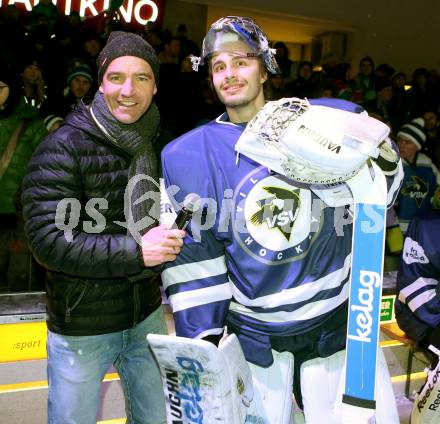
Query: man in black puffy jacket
90	200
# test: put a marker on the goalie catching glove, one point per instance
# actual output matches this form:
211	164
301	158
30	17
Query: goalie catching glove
321	142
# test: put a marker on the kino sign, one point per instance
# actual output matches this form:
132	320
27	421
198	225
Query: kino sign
143	11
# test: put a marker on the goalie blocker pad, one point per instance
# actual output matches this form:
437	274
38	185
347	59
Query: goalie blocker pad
205	384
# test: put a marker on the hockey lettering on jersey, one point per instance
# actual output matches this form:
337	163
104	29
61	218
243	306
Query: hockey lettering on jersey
274	258
418	277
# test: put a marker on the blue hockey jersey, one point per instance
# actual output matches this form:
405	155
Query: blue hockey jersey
418	301
420	182
265	256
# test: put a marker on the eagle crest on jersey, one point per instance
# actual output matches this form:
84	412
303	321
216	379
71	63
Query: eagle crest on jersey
417	190
278	211
273	220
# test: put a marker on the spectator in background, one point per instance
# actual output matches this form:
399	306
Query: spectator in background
186	44
421	97
304	85
379	108
90	47
399	80
400	100
20	133
384	71
419	191
432	145
79	86
284	63
154	38
171	52
274	88
12	30
365	81
34	86
342	78
417	304
47	10
326	89
68	34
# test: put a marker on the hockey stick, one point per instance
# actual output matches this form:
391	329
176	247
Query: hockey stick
370	201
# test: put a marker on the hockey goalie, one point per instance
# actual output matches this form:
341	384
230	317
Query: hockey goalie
291	190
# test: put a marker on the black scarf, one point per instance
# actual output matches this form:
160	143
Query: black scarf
136	140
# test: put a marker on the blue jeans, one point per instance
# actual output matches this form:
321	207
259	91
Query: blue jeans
77	364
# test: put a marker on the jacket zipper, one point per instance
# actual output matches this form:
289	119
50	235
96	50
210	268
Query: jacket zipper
69	309
136	303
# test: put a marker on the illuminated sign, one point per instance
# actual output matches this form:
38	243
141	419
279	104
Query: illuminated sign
139	11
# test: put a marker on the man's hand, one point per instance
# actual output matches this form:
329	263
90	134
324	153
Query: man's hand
161	244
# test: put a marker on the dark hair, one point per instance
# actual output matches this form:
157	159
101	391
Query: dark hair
386	69
367	59
340	71
302	64
281	45
399	74
417	73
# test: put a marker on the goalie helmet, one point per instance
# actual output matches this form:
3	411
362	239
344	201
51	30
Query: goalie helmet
312	143
226	32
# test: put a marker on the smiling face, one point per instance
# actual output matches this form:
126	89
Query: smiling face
128	86
238	81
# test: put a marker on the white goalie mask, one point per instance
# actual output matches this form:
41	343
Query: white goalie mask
224	34
312	144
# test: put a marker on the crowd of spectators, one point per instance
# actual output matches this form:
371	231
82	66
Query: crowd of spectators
48	62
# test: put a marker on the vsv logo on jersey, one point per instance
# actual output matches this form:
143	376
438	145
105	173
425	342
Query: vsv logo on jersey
363	305
413	252
274	221
417	190
278	211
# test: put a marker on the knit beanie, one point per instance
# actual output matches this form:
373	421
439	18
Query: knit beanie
413	131
122	43
79	69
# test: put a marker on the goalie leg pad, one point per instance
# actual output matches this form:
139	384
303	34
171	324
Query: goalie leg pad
273	391
426	409
203	384
322	385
